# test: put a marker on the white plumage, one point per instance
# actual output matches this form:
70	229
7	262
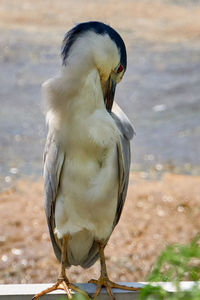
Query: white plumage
87	198
87	153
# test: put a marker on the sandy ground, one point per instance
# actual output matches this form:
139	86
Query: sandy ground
156	213
154	20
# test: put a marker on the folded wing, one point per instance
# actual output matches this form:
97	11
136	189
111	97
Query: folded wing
124	157
53	164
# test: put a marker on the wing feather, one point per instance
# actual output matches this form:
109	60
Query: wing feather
124	157
53	164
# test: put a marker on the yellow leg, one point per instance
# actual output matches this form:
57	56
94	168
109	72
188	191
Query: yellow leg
62	282
105	281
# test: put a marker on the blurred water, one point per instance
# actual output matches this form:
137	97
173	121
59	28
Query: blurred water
160	93
162	89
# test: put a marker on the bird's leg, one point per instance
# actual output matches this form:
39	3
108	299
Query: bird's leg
62	282
105	281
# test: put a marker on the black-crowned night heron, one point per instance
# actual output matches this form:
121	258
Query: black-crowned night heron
87	154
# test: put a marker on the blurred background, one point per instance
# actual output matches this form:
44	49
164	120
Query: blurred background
160	93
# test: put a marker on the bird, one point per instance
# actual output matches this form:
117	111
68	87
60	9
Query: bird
87	152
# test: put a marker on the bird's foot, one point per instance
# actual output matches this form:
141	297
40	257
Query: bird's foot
62	284
109	285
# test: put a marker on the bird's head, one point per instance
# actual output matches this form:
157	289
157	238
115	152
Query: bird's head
96	45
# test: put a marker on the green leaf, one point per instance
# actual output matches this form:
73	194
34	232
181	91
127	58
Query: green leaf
176	263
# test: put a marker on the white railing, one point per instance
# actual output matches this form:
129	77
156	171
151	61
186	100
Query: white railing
27	291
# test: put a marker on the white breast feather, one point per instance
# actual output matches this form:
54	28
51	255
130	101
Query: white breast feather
87	198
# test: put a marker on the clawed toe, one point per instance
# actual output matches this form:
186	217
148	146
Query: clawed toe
109	285
64	285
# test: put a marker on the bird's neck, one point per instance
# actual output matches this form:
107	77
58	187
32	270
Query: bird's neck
67	102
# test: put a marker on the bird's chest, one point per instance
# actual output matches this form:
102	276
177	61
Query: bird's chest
89	184
88	141
91	155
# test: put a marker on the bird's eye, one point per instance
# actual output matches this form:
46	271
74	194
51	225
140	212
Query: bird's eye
120	69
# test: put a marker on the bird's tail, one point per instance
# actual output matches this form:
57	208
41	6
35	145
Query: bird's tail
82	249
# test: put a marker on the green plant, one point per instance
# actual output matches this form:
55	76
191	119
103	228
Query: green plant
76	296
175	264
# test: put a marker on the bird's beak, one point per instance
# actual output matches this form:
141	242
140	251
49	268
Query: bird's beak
109	93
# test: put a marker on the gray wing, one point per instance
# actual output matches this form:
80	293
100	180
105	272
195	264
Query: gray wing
53	163
123	149
124	156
